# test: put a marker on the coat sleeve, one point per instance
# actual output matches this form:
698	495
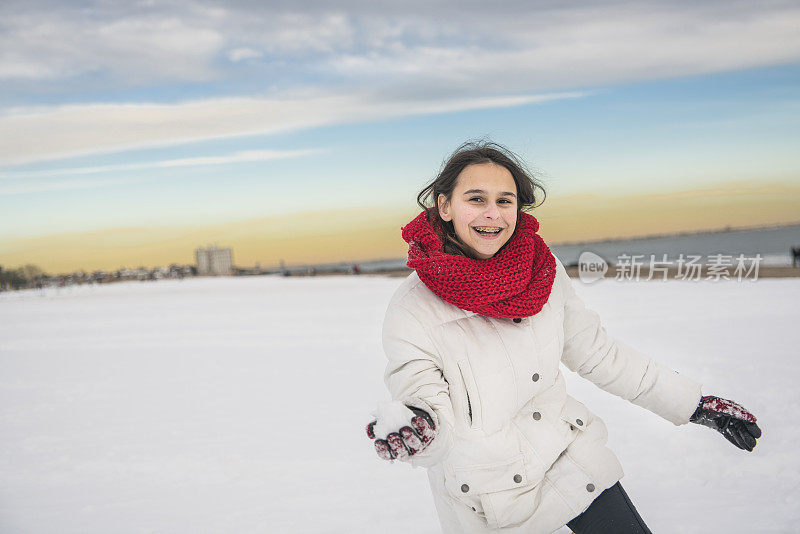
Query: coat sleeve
619	368
414	376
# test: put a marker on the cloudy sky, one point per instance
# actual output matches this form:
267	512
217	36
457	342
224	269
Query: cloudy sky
178	113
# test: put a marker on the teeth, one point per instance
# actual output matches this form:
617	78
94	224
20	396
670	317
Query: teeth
488	229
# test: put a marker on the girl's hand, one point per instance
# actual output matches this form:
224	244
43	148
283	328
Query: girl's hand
408	440
728	418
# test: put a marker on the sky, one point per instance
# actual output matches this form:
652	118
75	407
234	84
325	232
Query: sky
267	124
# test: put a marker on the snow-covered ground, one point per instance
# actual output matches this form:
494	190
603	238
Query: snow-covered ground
239	405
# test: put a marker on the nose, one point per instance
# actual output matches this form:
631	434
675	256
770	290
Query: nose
491	211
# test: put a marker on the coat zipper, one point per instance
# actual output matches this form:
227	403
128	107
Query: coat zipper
466	392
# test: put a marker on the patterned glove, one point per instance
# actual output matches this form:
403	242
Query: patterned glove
407	441
728	418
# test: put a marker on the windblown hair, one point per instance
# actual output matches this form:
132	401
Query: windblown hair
475	153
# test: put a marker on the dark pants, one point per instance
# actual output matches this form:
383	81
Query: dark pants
612	512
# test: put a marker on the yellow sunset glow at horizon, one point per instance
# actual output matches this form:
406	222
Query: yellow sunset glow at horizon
363	234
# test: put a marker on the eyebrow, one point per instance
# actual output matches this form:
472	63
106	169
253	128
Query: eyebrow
482	192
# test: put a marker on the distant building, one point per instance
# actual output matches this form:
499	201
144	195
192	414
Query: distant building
214	261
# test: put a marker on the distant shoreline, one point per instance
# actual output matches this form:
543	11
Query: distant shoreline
726	230
763	272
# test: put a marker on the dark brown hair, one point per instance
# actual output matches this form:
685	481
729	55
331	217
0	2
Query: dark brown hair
475	153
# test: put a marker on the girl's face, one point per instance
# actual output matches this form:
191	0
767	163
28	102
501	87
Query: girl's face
483	208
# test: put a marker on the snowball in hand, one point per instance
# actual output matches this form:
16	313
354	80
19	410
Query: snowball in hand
391	417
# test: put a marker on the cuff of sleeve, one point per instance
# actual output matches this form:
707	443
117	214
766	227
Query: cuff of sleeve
685	393
442	442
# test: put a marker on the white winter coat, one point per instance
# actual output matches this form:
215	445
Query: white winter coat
513	450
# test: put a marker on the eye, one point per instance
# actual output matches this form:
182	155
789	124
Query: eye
475	198
505	200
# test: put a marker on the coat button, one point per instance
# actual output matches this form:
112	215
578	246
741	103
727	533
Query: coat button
517	478
517	320
580	423
473	509
571	427
464	488
537	416
590	487
535	377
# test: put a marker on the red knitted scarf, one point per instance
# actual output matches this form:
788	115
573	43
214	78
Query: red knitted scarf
515	282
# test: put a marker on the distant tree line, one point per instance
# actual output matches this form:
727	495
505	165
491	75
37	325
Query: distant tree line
21	277
31	276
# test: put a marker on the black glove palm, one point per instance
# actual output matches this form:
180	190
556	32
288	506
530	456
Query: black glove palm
728	418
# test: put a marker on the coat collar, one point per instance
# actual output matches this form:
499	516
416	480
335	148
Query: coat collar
442	311
453	313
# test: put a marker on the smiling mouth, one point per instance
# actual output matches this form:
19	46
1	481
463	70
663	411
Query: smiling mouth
487	231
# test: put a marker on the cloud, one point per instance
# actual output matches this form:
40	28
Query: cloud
34	134
244	156
358	61
588	45
240	54
148	42
522	47
296	34
15	189
135	47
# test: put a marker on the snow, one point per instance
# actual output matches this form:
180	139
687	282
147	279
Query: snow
391	416
240	405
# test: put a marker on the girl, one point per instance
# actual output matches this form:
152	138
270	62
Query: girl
474	337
